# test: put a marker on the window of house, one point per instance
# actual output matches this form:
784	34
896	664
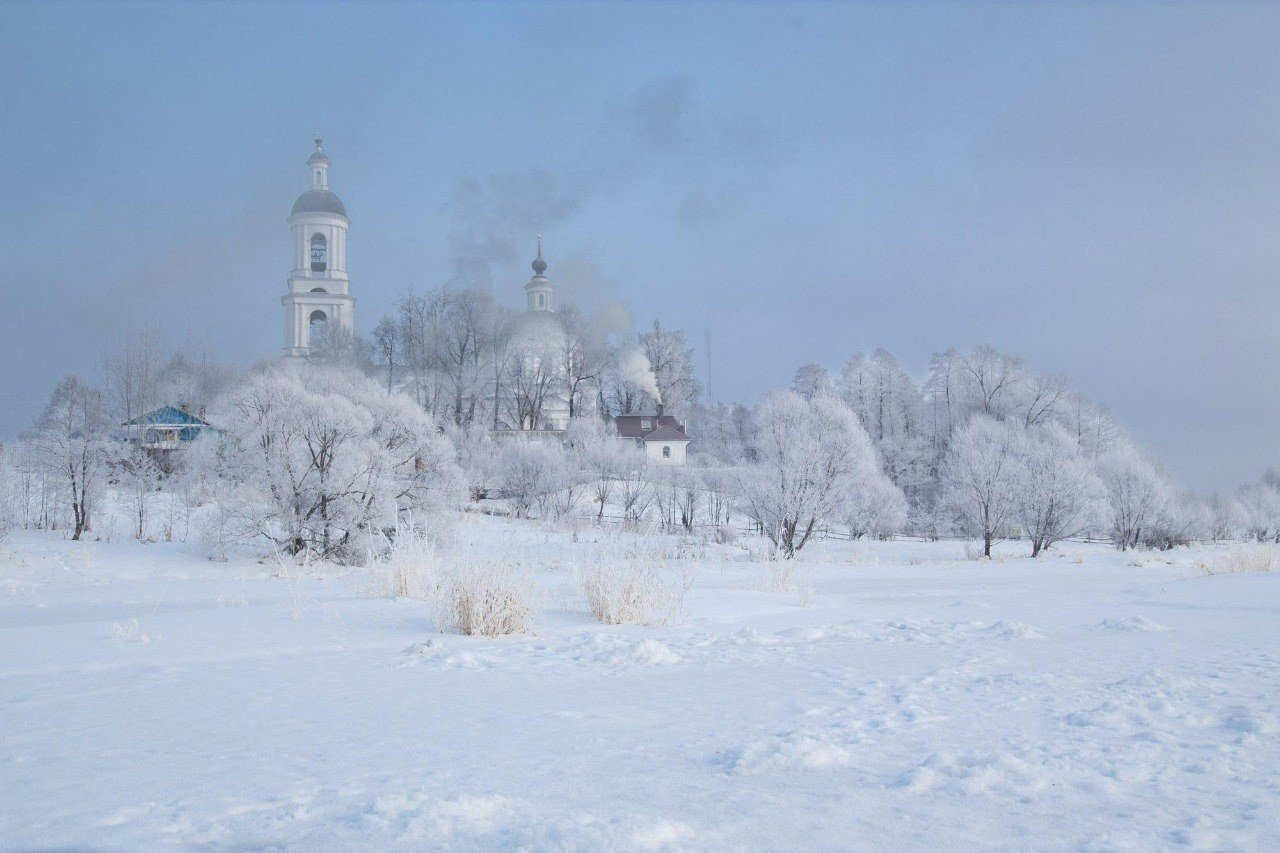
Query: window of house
666	452
646	424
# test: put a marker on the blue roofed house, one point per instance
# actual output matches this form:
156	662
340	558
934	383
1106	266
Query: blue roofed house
166	428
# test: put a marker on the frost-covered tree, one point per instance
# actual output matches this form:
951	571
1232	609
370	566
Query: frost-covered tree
71	439
1185	519
810	456
1139	494
385	348
131	372
1058	492
336	460
137	475
889	404
582	355
671	360
726	434
993	378
1259	508
477	455
530	473
601	456
980	478
337	346
876	509
812	380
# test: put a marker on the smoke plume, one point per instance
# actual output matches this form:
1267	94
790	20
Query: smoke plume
634	367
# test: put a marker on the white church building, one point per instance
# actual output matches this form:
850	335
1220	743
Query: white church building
319	293
531	397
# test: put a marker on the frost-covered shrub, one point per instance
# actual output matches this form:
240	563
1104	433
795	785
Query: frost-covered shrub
466	593
529	475
635	586
482	597
1259	557
477	456
222	525
1184	520
876	509
726	534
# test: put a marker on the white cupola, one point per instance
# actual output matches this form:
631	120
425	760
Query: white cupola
540	291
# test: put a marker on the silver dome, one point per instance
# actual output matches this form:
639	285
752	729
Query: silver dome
319	201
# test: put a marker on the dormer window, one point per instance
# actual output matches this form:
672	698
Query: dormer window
646	424
319	253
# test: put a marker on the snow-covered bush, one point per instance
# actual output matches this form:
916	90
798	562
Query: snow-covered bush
223	524
1254	557
484	597
634	586
811	455
336	461
530	473
477	458
1185	520
467	593
876	509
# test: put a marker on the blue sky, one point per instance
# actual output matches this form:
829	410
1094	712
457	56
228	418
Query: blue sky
1095	187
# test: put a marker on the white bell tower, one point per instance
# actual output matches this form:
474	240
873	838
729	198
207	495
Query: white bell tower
319	293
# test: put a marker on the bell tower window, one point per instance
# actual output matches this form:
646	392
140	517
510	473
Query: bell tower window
319	253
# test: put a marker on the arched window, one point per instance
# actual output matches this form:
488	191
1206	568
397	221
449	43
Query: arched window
319	253
318	318
318	290
666	451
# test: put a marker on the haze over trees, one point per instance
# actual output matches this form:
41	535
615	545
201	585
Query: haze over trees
330	457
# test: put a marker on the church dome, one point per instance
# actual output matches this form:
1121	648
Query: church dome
319	201
534	330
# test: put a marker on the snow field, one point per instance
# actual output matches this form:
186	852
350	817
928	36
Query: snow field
919	700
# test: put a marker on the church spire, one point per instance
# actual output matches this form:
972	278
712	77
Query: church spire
539	289
539	265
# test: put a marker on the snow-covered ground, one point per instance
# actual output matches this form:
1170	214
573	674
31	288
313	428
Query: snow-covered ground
914	700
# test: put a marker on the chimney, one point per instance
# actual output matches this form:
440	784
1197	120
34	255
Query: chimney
661	409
